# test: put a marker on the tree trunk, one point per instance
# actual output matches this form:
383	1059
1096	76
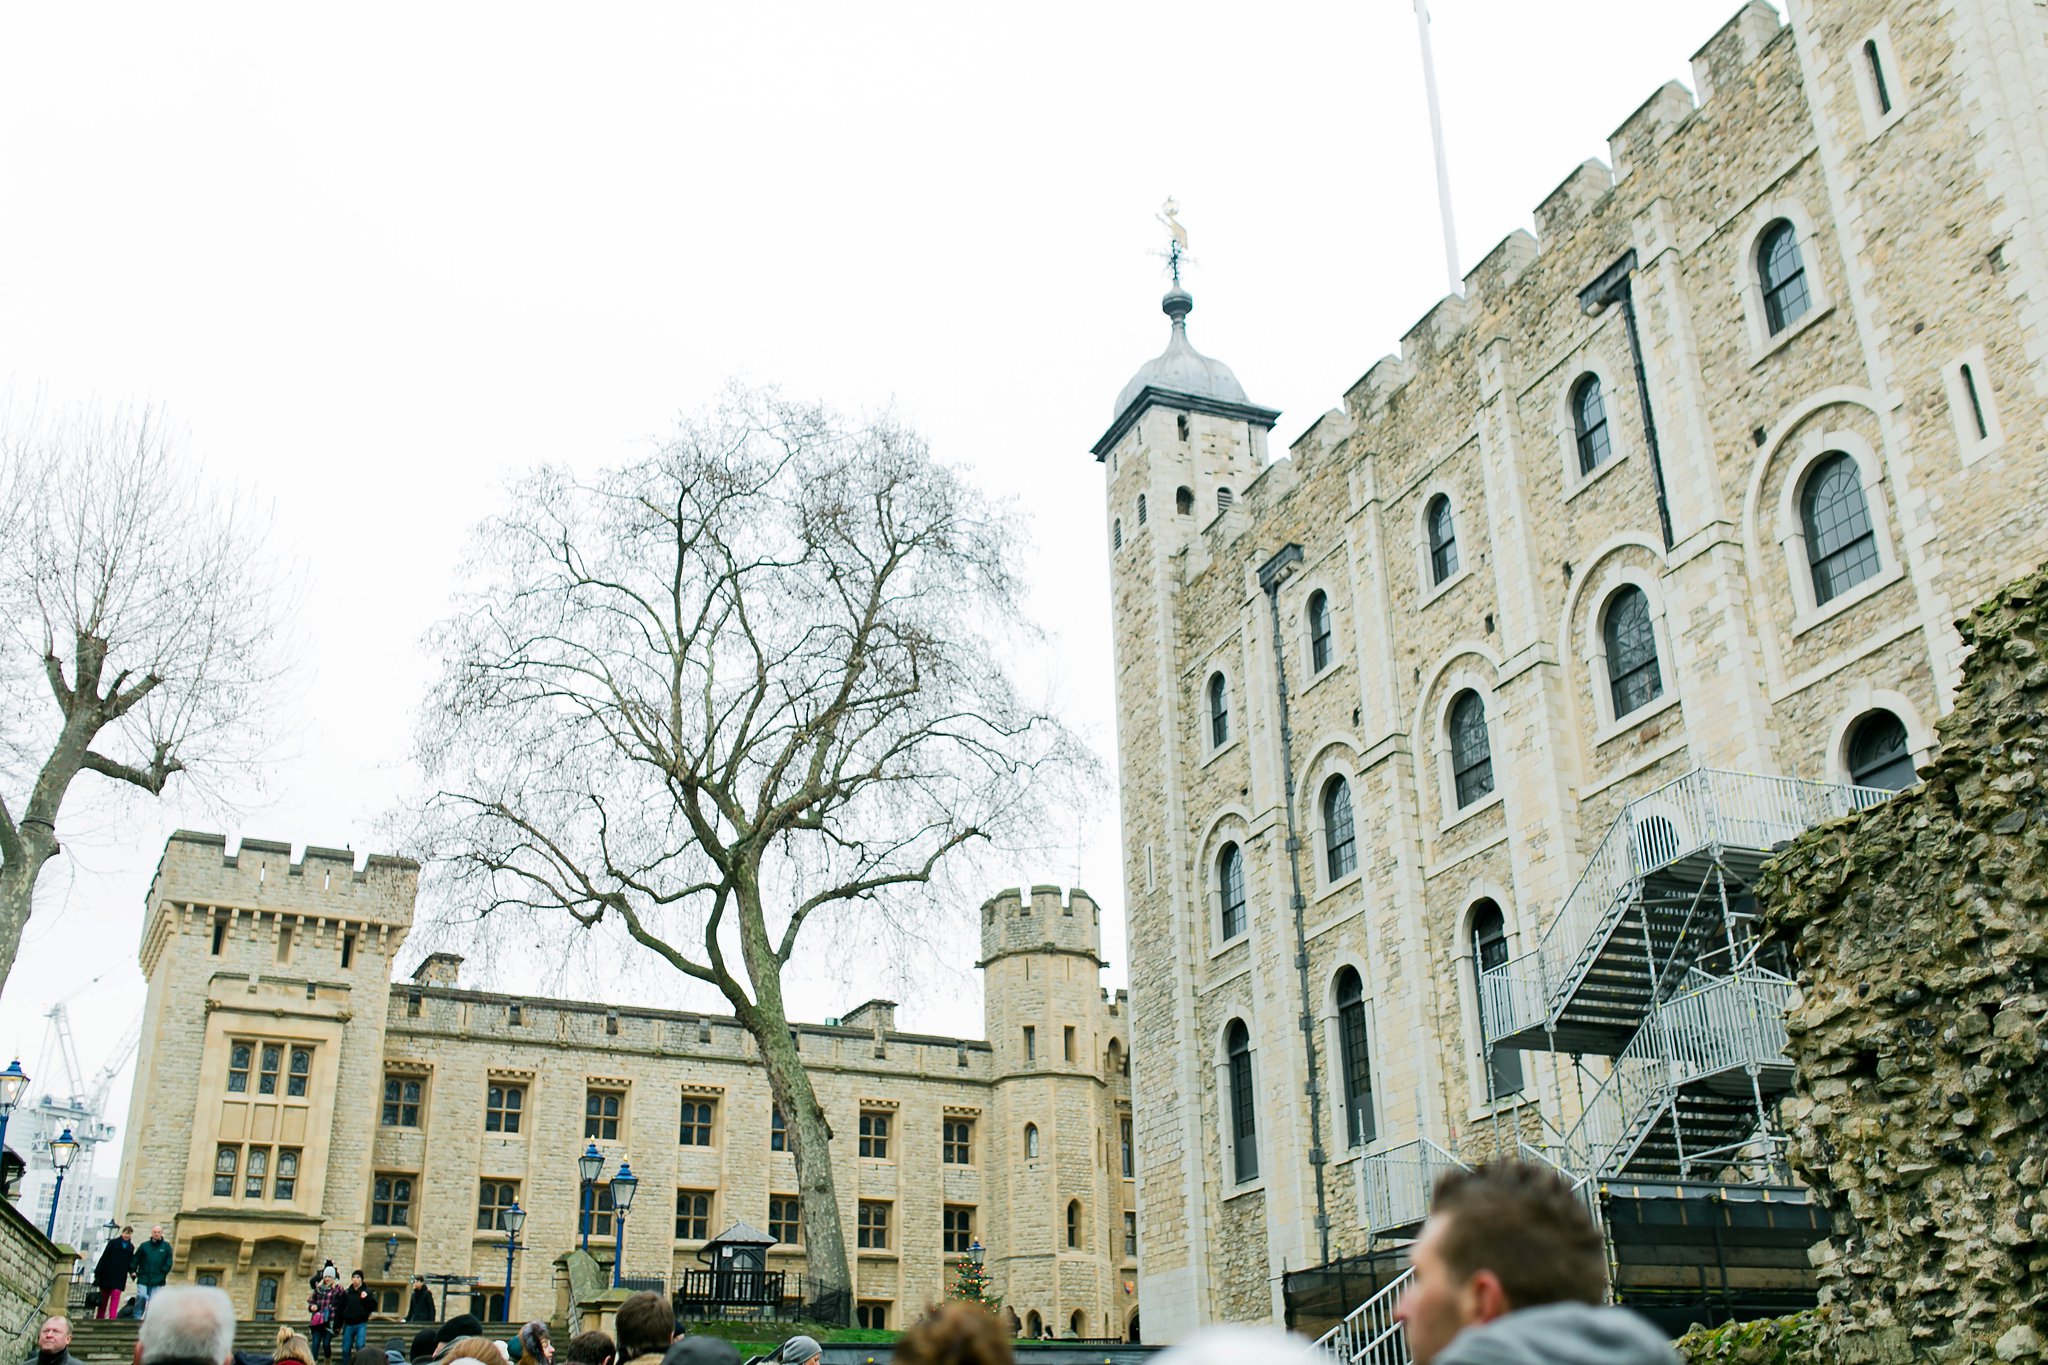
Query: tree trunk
810	1142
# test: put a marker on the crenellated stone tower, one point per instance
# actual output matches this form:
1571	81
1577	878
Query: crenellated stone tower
243	1125
1060	1101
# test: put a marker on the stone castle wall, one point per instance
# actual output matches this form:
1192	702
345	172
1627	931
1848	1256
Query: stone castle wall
1924	253
1921	1029
250	949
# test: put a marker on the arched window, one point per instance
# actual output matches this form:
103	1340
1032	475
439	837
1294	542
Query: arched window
1243	1115
1589	423
1443	539
1183	500
1073	1223
1320	644
1031	1142
1490	950
1879	754
1782	274
1141	509
1354	1058
1633	678
1230	889
1841	544
1339	842
1878	88
1219	711
1471	754
1224	498
1116	534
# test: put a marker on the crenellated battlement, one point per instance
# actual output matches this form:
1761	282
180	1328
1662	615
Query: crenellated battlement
1052	920
261	890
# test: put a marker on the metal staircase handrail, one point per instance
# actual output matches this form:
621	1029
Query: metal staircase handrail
1369	1335
1698	809
1734	1021
1394	1185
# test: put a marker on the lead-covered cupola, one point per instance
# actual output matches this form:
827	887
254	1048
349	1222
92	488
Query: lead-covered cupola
1181	378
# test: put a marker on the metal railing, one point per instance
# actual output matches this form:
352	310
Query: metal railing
1394	1186
1704	808
1736	1021
1369	1335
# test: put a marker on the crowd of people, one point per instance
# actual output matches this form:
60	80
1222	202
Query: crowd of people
1509	1269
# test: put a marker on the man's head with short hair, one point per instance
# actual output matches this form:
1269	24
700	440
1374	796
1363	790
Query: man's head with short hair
1500	1237
589	1348
646	1325
188	1322
55	1336
156	1232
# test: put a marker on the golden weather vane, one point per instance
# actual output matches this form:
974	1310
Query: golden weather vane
1177	249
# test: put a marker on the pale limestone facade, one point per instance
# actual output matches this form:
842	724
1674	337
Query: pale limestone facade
1920	209
260	951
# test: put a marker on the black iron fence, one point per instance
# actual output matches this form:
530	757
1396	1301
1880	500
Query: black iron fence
725	1292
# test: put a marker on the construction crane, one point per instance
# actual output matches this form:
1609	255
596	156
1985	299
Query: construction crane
75	1102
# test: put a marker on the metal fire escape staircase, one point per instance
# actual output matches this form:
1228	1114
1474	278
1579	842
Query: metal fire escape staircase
1654	961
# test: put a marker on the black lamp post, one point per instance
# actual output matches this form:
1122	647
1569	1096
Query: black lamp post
591	1165
12	1082
390	1251
514	1219
975	1251
624	1184
63	1148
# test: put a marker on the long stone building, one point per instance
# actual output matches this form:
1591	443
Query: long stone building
1451	741
294	1103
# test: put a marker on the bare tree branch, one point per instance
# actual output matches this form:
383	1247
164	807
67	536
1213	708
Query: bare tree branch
753	676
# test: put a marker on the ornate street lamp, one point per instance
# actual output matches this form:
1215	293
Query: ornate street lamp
591	1164
12	1082
623	1186
63	1148
390	1251
975	1251
514	1219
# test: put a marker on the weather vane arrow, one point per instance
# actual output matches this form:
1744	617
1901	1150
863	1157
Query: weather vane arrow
1176	251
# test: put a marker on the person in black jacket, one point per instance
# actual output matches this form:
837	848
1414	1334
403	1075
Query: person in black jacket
421	1309
116	1263
353	1311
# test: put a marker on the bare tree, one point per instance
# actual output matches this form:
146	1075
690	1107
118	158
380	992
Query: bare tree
752	679
136	616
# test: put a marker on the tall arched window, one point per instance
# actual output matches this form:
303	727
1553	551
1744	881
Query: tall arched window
1219	711
1589	423
1183	500
1073	1223
1841	544
1633	678
1230	889
1320	644
1490	950
1879	754
1141	509
1471	753
1443	539
1339	842
1243	1117
1354	1058
1116	534
1031	1142
1782	274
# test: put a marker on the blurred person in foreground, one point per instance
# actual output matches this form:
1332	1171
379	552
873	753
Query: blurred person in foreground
590	1348
188	1324
955	1333
1510	1270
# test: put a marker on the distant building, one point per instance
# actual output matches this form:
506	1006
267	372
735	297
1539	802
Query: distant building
292	1103
1451	742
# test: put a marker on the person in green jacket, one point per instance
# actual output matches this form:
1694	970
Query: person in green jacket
152	1267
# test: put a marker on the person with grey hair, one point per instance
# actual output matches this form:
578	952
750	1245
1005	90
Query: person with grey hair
188	1324
53	1344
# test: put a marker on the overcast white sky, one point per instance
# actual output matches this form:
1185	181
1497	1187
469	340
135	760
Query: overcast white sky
374	258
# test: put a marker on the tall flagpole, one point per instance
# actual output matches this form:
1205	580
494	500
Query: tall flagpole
1436	137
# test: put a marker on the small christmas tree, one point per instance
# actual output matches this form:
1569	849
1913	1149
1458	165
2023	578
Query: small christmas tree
970	1283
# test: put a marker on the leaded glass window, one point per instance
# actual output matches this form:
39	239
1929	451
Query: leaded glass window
1633	678
1782	273
1319	636
1219	711
1471	753
1244	1124
1230	885
1340	845
1589	424
1443	540
1841	544
1355	1059
1879	754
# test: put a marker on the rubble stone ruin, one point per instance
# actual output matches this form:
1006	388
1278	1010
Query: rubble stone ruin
1921	932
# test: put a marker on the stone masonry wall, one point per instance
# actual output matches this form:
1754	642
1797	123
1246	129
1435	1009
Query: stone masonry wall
30	1267
1921	1110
